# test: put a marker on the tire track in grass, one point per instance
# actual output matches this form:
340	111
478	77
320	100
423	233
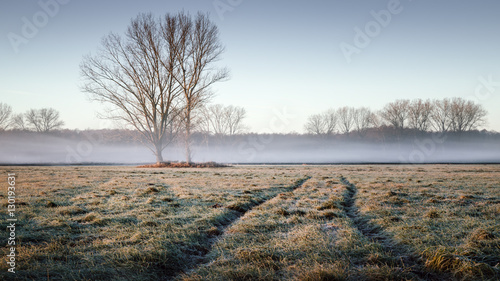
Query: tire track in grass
252	205
225	225
407	259
372	232
255	204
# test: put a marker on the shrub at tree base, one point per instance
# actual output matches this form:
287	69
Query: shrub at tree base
184	165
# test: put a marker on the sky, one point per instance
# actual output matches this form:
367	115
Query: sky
288	59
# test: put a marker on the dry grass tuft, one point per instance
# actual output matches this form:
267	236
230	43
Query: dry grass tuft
329	215
335	202
151	190
391	193
71	211
334	272
214	231
481	234
241	206
283	212
149	223
432	214
51	204
90	217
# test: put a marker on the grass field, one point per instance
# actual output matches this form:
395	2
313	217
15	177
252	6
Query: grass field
360	222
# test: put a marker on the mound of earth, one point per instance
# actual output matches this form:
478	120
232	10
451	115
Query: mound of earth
184	165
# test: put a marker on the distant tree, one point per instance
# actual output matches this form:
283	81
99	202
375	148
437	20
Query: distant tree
420	113
330	119
396	113
18	122
211	119
345	117
43	120
235	116
441	115
363	119
376	122
221	120
466	115
5	115
315	125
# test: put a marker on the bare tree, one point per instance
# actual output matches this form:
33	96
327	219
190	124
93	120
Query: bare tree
136	75
201	122
465	115
330	118
396	113
198	49
441	115
43	120
420	113
222	120
213	119
345	119
363	119
476	116
234	116
18	122
315	125
5	115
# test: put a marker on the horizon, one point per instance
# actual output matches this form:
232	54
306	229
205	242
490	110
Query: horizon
286	58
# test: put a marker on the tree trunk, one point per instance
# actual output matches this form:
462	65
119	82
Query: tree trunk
159	156
188	144
188	137
188	152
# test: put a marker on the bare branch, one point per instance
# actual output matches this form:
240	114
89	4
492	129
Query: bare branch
5	115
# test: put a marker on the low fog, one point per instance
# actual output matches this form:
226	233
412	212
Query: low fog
31	148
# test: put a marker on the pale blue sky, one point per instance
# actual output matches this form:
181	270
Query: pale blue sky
283	55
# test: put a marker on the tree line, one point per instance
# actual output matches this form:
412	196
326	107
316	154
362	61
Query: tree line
211	119
446	115
39	120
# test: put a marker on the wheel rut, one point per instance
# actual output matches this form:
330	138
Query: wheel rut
406	258
240	214
371	231
224	226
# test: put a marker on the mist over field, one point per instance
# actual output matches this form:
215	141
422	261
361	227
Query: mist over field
31	148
